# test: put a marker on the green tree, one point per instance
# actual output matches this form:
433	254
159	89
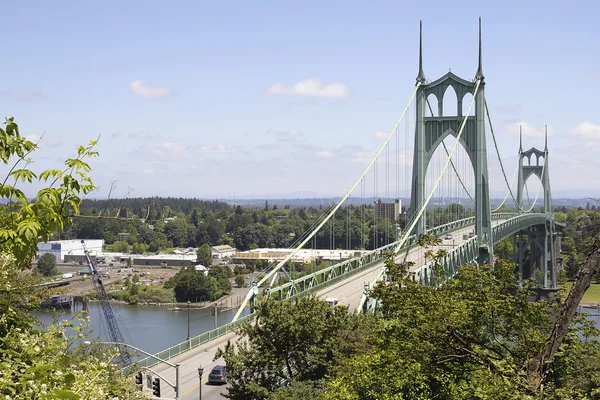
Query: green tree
121	247
204	255
471	338
298	340
240	280
46	265
38	363
572	267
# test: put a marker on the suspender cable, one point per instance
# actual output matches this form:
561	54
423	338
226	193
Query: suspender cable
424	205
251	292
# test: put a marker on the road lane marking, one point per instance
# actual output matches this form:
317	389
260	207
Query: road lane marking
193	387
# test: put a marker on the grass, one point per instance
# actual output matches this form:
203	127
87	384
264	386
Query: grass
592	295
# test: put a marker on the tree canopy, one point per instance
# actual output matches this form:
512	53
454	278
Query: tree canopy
46	265
475	337
43	363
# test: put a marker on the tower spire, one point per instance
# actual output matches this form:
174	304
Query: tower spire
421	76
546	139
520	138
479	74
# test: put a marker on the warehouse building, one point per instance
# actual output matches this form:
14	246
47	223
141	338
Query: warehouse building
62	248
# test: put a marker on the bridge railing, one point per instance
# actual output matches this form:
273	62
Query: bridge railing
467	251
193	342
311	283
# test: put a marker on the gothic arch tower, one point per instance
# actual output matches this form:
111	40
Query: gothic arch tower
540	241
431	131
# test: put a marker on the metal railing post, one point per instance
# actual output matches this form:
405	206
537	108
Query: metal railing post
177	388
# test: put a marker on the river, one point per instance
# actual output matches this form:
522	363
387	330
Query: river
153	329
149	328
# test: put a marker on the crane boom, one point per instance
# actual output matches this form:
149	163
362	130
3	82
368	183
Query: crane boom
107	310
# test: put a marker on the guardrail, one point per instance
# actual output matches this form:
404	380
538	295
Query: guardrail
467	252
311	283
193	342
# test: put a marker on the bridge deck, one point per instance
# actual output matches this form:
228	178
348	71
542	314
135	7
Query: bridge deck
348	292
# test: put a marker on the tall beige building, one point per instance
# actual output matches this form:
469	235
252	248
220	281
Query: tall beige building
389	211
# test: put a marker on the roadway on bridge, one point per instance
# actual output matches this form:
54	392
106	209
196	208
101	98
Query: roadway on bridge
347	293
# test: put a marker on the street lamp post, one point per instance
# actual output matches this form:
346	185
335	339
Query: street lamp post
216	321
176	366
188	337
200	371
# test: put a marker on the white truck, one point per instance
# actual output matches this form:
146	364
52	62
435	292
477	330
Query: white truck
67	276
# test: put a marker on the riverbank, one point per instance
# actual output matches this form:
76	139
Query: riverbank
228	302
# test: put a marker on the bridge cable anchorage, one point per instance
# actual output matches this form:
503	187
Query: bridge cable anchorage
331	213
407	232
451	162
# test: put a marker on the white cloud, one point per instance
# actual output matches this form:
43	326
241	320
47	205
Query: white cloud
529	130
171	147
324	154
594	74
28	96
155	93
380	135
508	108
144	135
148	172
43	142
218	149
362	157
290	135
585	130
311	87
33	138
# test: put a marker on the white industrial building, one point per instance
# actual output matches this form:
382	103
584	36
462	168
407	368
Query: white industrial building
223	251
61	248
303	256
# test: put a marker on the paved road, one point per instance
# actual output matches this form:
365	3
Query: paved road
347	293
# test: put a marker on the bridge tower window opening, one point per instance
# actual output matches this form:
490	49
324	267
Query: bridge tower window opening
450	103
466	100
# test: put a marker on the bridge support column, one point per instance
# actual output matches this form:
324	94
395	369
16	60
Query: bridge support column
541	243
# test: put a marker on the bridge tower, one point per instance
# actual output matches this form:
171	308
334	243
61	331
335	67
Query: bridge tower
542	242
431	131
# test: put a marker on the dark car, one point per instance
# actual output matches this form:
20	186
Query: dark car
218	375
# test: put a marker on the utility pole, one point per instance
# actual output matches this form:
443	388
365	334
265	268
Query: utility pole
188	336
216	319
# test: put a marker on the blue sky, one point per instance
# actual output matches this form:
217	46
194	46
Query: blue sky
203	98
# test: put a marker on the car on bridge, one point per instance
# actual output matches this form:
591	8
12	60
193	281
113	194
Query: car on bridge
448	237
218	374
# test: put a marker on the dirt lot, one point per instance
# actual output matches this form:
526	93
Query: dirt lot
79	285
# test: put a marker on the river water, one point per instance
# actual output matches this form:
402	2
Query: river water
153	328
149	328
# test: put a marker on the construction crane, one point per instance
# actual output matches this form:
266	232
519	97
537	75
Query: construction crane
107	310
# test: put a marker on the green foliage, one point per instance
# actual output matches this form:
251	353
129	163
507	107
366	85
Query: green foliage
240	280
46	364
204	255
24	221
572	266
46	265
191	285
121	247
468	339
43	363
144	294
297	340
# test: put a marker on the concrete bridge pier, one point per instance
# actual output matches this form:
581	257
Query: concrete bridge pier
541	242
